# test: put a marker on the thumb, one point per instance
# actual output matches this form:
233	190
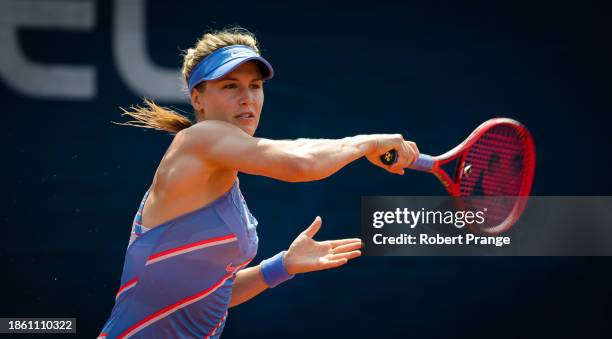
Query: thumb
314	227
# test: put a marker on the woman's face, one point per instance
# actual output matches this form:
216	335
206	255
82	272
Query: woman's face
236	98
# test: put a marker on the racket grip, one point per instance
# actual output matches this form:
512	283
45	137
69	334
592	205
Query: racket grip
389	158
423	163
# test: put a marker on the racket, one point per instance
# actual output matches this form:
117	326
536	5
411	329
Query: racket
493	170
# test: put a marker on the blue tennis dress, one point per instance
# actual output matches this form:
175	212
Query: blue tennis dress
177	277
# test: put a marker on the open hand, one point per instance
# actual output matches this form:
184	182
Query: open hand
307	255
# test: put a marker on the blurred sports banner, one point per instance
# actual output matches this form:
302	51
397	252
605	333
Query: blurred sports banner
78	81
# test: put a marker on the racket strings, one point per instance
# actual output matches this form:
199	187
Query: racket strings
497	169
496	161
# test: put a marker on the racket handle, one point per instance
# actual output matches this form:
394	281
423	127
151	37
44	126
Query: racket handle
423	163
389	158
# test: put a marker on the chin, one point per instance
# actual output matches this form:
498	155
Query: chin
248	130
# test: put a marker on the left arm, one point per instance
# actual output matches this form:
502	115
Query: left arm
304	255
248	283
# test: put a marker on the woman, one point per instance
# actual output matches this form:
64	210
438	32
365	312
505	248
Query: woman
193	235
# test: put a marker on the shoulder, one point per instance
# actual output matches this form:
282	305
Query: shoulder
210	140
178	165
193	149
186	172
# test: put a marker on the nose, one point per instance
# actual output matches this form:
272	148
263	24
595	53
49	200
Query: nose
247	97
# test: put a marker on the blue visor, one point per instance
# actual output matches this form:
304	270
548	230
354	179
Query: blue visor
224	60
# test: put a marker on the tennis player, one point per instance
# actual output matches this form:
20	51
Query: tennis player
193	235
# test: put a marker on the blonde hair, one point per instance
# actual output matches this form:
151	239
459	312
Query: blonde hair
165	119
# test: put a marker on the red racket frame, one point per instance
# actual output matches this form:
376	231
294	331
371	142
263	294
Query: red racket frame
459	153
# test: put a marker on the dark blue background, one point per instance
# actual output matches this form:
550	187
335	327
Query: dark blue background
430	70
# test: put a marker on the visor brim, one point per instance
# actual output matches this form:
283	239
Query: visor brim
267	72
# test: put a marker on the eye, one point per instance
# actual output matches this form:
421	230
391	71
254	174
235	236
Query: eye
255	86
230	85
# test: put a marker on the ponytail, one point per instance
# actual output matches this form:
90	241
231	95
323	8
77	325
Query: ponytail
156	117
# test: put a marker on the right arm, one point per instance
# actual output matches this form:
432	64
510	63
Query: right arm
304	255
226	146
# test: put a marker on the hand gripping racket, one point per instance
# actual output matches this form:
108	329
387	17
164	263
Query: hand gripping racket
497	160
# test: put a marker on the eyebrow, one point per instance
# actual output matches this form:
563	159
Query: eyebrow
234	79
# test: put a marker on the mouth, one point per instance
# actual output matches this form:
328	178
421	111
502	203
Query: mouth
245	116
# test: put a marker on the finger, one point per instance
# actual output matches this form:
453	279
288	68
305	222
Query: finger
333	263
396	168
340	242
314	227
416	148
347	255
405	157
411	156
398	163
415	151
347	247
398	171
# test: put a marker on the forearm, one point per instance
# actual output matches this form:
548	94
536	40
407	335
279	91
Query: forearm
249	282
324	157
223	145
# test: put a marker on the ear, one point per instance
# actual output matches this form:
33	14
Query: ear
196	100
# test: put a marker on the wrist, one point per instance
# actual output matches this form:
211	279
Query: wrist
287	264
274	271
366	143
